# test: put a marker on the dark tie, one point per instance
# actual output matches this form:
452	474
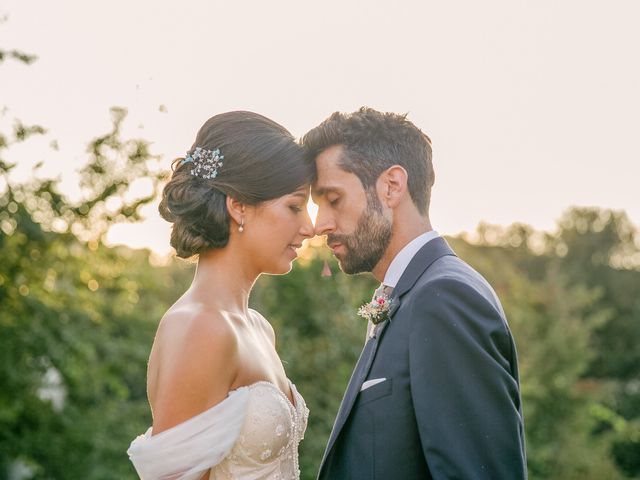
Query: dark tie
382	290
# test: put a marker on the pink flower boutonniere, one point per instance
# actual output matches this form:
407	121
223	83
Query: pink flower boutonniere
377	310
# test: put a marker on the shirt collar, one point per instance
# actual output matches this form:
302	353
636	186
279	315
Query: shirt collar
404	256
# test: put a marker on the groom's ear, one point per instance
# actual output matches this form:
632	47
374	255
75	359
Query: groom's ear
392	186
236	209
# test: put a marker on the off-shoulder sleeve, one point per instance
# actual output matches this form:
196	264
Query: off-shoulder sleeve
189	449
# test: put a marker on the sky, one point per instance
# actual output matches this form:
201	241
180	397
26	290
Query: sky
532	106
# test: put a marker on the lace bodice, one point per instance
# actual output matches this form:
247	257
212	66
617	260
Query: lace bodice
267	447
253	434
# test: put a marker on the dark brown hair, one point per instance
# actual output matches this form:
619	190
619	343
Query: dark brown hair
261	162
373	141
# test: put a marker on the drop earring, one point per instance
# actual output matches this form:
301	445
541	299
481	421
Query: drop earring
241	227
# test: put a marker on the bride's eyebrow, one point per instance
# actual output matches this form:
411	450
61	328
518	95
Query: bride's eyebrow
302	195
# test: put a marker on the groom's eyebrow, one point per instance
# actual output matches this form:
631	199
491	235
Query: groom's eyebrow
323	191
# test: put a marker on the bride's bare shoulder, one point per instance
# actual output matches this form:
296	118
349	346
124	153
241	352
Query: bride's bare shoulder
195	357
189	321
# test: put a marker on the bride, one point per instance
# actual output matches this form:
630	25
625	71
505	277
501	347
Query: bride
221	402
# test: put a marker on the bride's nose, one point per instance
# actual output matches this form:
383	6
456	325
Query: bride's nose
306	229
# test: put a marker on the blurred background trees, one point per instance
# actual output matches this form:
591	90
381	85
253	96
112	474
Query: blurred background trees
77	320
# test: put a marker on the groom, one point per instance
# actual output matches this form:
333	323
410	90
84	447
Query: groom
435	392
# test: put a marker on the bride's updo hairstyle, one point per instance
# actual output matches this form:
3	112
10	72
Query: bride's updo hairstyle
260	161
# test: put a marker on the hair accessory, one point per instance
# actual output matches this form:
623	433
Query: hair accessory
205	162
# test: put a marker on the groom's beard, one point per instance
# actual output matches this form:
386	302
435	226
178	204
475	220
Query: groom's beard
366	245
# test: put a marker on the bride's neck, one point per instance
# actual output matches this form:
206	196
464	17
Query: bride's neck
224	279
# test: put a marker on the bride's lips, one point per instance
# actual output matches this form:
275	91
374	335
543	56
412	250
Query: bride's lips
293	247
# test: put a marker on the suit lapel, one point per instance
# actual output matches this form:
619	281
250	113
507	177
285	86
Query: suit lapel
428	254
423	259
419	263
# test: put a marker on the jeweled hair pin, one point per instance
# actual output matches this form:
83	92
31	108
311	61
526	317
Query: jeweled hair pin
205	162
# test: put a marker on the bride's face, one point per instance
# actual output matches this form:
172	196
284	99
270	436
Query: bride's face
274	230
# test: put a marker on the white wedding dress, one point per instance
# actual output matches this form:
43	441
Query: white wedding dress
253	434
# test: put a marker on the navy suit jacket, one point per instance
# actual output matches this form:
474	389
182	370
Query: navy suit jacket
450	405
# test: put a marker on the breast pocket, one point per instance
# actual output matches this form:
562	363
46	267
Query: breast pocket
375	392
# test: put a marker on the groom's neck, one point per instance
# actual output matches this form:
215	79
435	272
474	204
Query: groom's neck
404	230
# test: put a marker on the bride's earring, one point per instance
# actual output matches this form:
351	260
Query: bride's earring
241	227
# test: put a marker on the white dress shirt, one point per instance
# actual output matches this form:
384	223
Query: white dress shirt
400	262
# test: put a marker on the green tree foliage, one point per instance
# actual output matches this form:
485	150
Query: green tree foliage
603	252
73	336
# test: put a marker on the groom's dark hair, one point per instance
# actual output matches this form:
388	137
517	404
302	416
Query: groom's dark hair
373	141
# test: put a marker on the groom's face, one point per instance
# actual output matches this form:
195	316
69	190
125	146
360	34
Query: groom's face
357	231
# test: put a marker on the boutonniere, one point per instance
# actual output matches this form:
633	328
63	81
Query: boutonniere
377	310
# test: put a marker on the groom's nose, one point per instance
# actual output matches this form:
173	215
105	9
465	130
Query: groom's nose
325	223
